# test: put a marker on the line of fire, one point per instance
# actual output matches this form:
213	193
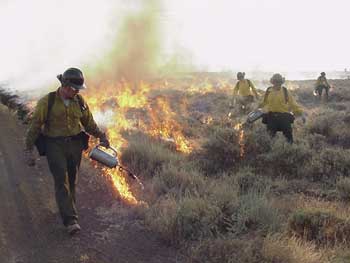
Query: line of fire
126	107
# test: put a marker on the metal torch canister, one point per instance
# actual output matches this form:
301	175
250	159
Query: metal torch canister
105	158
255	115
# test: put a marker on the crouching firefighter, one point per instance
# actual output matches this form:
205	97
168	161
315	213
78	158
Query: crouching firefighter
57	128
280	108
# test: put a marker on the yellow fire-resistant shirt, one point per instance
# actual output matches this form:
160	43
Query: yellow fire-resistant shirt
244	88
63	120
322	81
276	102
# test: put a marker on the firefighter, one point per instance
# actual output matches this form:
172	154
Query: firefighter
280	108
244	92
61	117
322	84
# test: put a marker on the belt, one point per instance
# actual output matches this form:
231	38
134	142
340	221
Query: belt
65	138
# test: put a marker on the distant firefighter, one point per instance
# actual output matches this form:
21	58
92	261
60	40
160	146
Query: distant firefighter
322	84
244	92
280	108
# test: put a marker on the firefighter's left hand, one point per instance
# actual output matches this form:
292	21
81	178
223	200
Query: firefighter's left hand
104	141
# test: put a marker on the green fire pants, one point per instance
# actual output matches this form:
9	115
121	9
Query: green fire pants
64	157
276	121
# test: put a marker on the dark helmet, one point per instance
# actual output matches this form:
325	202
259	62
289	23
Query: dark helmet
277	79
72	77
323	74
240	75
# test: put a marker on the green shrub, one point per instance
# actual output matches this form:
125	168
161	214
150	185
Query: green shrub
223	193
320	227
324	123
329	163
280	249
161	218
197	218
248	181
285	159
333	125
227	251
221	151
343	188
254	212
180	181
256	141
191	218
146	156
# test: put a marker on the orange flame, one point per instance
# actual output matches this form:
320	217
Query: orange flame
121	185
164	126
112	106
239	127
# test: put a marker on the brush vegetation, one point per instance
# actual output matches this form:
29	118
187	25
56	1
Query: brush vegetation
276	203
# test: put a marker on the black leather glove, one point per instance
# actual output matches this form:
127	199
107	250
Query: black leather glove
104	141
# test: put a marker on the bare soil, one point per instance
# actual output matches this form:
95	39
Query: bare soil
30	227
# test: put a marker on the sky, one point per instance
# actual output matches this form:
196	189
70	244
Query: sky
40	38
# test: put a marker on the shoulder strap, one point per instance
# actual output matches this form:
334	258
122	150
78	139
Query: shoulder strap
249	83
285	92
51	101
82	104
267	92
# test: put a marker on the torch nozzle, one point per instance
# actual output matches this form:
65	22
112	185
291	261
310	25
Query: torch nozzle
132	175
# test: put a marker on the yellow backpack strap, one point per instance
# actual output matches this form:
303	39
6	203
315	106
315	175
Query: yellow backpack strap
267	92
285	93
249	82
50	103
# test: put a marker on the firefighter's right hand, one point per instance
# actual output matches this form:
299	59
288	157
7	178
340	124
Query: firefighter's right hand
29	157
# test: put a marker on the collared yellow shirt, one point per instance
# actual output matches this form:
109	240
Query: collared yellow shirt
244	88
275	102
63	120
322	81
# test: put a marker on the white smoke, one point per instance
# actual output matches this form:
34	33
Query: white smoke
41	38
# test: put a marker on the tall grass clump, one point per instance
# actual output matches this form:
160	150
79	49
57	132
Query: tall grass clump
227	250
321	227
254	213
343	188
146	156
178	181
280	249
188	219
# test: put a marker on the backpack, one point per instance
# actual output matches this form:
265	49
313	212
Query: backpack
249	83
40	141
285	93
286	99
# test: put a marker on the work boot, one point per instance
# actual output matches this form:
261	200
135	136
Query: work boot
73	228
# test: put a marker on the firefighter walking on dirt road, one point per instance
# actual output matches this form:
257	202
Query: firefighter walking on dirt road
244	92
280	108
62	117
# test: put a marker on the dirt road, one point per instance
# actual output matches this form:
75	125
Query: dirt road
31	230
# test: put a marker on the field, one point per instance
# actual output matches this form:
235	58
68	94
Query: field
220	192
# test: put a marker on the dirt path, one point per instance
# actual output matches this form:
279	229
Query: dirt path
31	230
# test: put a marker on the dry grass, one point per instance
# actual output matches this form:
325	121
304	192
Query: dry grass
278	248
